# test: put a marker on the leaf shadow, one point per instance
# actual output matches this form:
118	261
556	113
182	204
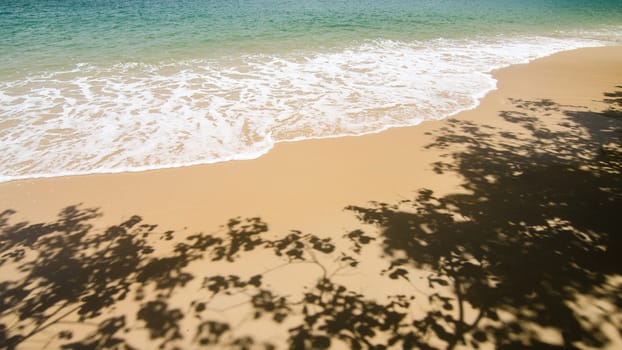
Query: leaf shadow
534	240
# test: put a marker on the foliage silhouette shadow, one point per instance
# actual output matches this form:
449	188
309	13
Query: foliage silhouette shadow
534	245
67	273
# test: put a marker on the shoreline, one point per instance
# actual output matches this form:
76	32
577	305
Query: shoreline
40	193
43	162
272	143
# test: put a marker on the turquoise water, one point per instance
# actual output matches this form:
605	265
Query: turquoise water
43	34
103	86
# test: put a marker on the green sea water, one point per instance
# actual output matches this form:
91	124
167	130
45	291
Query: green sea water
40	34
95	86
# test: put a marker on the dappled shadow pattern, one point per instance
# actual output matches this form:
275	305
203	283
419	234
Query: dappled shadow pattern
118	282
614	99
530	257
527	257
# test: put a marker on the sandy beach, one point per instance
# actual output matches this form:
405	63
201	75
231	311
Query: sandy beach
540	155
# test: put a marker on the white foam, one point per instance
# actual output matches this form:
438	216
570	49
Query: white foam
134	117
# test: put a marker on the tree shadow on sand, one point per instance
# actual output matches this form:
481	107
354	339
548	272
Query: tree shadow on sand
527	258
122	283
530	257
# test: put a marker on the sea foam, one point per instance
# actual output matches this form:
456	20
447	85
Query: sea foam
136	116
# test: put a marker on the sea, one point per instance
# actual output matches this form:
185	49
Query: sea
105	86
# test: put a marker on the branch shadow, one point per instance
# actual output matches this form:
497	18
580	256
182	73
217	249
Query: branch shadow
532	251
66	272
121	282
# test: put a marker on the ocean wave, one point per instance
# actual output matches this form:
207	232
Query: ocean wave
136	116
